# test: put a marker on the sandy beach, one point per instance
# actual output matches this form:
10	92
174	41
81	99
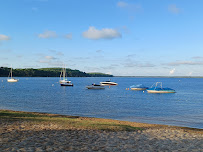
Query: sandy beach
21	134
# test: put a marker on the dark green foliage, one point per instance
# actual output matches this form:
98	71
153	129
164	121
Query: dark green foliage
48	72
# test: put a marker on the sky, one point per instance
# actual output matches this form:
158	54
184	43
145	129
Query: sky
123	38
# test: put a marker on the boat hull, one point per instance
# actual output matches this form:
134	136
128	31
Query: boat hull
12	80
67	84
160	91
64	81
95	87
138	89
110	83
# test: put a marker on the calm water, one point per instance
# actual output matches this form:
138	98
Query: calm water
184	108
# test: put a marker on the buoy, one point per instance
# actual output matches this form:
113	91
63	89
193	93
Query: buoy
52	85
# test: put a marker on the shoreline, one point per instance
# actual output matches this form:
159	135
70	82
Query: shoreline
135	123
33	131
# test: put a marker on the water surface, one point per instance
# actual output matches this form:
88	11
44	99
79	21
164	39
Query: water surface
184	108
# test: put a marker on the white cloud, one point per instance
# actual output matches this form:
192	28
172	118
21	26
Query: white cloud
106	33
172	71
131	64
122	4
173	9
48	59
68	36
4	37
130	7
48	34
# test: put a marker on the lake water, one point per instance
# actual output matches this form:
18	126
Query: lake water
184	108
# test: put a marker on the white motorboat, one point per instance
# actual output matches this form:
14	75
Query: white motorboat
95	86
108	83
63	80
157	88
11	78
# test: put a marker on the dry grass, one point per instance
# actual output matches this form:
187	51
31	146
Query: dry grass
75	122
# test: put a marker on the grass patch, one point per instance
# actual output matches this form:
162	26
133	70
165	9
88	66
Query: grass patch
67	122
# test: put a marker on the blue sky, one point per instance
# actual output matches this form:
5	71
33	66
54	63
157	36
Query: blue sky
123	38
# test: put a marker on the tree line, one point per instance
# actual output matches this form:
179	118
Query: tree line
47	72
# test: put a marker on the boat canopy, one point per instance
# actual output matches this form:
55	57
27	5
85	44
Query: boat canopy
138	86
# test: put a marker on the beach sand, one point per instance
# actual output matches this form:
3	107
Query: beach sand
25	135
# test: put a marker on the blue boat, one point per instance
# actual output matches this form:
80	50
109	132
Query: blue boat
138	87
157	88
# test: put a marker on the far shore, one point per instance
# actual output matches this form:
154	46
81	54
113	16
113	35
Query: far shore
33	131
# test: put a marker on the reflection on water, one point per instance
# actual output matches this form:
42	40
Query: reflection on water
183	108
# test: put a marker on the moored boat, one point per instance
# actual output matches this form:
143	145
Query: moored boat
11	78
63	80
157	88
138	87
67	83
108	83
95	86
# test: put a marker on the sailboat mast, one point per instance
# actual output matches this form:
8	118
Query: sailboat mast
64	73
11	73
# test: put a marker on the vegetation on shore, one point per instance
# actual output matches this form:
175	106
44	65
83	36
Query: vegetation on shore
79	123
68	122
48	72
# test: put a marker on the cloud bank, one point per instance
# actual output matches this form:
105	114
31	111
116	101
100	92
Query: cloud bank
185	63
106	33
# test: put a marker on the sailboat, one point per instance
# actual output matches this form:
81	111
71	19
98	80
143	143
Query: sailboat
11	78
63	78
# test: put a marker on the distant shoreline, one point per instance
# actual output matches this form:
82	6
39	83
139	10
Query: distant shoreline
113	76
161	76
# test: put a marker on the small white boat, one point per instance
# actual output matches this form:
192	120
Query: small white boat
95	86
68	83
157	88
63	80
138	87
12	79
108	83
